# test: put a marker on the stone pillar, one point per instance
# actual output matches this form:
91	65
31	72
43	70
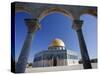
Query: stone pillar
33	26
84	53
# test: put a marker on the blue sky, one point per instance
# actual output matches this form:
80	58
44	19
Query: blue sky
53	26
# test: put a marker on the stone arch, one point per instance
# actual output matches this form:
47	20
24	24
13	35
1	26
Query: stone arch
90	11
55	9
23	9
42	13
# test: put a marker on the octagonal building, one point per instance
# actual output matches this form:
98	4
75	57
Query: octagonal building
56	55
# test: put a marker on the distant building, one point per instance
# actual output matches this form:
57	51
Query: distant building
56	55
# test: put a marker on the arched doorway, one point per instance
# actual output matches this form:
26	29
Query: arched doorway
53	10
54	61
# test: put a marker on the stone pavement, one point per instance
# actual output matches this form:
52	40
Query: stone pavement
58	68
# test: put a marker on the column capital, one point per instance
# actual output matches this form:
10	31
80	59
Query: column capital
32	24
77	24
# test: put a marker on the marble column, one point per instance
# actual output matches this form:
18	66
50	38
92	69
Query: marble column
32	26
83	49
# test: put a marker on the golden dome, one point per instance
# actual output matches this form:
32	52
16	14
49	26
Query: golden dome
57	42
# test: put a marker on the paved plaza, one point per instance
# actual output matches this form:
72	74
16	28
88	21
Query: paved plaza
58	68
